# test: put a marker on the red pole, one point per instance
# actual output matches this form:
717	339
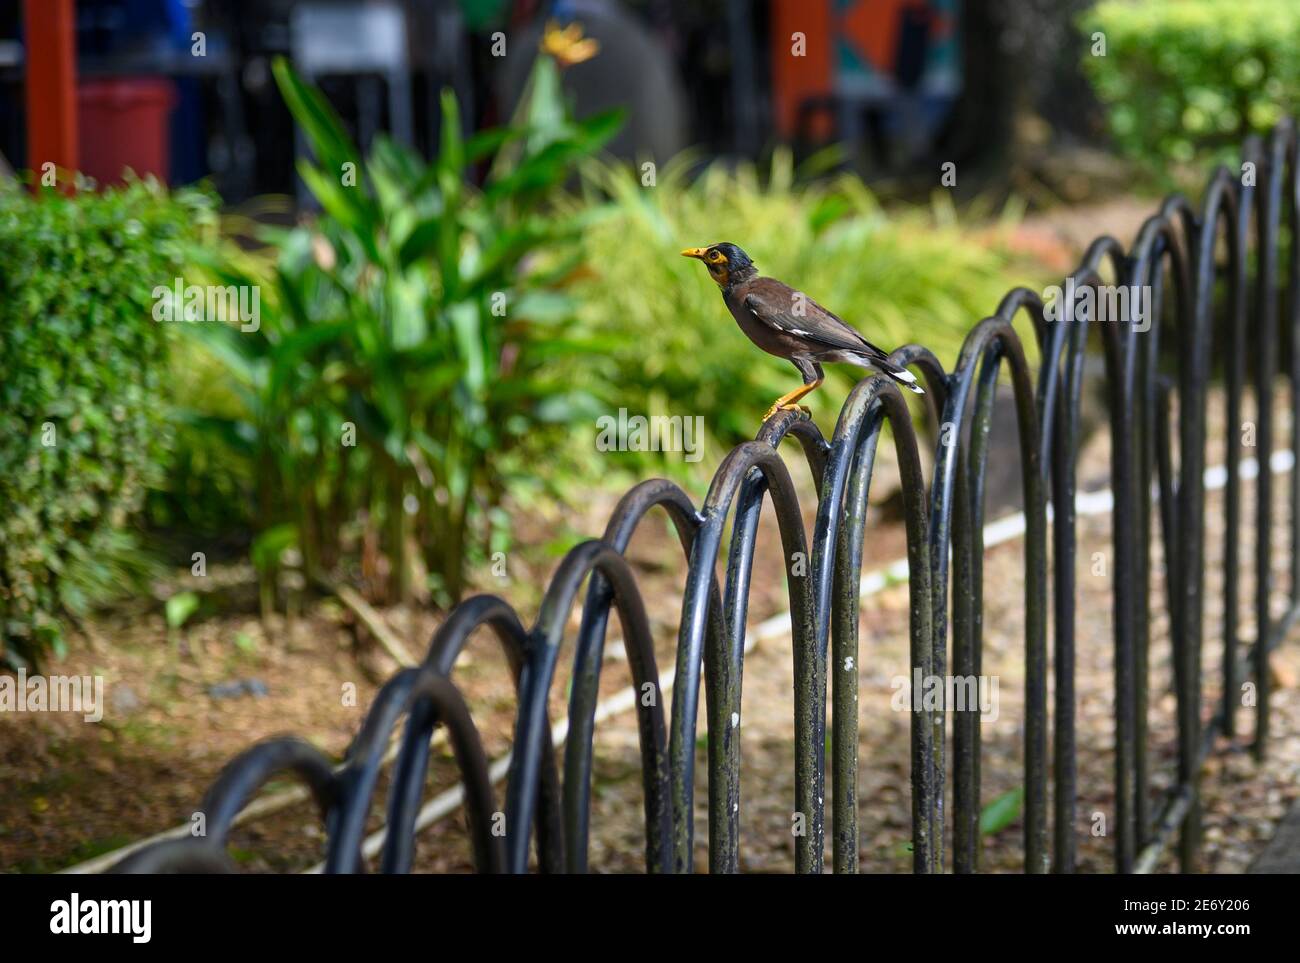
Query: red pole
51	52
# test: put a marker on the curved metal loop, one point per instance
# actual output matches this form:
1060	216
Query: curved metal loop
425	698
588	654
531	731
244	775
448	642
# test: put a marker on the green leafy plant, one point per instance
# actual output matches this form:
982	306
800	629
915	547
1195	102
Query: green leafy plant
177	610
83	426
405	357
1183	79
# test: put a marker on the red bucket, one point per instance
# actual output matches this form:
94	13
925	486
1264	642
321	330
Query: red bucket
121	123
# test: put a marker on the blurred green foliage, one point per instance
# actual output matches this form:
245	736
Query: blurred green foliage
84	426
379	315
406	351
424	345
1185	78
902	277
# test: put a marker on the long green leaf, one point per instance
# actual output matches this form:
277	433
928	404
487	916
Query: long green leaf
1002	811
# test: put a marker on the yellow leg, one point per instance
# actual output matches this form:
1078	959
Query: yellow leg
787	402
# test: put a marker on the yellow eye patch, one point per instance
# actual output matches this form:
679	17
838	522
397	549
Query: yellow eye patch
717	257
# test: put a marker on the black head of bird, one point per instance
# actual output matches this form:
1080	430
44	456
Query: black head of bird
727	263
791	325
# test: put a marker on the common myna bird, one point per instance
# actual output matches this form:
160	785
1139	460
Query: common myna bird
790	325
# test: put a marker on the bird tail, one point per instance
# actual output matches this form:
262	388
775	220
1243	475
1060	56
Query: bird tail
903	378
875	358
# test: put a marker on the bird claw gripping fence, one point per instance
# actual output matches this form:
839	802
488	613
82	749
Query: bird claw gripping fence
1175	253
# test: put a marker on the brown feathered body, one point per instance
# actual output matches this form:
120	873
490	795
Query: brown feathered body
789	324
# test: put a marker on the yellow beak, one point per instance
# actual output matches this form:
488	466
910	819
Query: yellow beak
695	252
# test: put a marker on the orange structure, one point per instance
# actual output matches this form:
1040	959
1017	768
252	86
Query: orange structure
51	56
839	39
800	77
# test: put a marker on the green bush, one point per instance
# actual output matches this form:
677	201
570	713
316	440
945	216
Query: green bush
82	429
1183	79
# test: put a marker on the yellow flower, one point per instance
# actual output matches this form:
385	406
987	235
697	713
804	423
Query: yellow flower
567	45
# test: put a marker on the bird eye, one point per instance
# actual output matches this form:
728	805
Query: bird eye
715	256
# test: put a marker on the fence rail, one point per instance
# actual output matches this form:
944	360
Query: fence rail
1177	253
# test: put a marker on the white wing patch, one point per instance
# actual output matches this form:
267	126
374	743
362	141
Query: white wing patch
796	331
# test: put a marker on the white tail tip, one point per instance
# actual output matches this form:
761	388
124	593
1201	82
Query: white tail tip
905	378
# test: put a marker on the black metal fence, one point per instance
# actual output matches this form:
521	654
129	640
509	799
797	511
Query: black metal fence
1200	257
